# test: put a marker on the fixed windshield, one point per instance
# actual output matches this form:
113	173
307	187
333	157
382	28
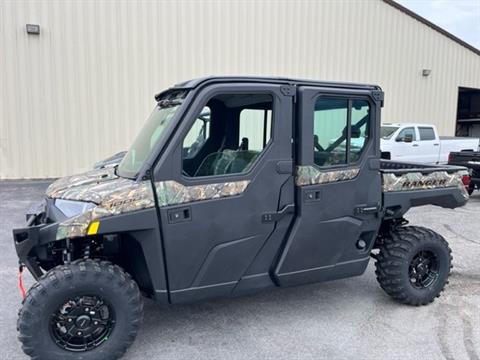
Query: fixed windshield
148	137
387	131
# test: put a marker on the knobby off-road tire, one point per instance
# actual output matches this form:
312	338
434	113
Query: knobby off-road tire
100	292
413	265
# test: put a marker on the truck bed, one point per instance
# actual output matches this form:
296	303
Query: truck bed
469	159
405	185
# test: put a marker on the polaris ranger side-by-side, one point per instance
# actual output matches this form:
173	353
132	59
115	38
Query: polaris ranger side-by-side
233	185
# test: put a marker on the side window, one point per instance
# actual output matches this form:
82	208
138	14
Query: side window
360	128
197	135
426	133
331	135
231	138
329	130
407	132
255	125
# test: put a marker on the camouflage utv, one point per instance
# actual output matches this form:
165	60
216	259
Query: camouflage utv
233	185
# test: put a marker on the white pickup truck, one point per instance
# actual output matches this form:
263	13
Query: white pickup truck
421	143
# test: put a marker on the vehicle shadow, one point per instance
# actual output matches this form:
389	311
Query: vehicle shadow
180	330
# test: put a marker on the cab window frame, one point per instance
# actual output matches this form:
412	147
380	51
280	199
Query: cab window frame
192	117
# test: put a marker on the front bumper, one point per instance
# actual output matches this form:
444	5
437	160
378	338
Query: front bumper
28	241
40	230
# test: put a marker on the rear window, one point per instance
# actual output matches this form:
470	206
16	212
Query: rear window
426	133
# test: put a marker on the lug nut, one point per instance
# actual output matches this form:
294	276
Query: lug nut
70	320
95	323
79	333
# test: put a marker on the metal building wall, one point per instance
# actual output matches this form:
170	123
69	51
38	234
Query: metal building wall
80	90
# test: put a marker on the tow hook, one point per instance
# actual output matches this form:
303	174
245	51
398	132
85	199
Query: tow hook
21	287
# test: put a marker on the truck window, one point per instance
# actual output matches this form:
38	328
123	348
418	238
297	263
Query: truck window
330	130
426	133
386	132
409	131
239	129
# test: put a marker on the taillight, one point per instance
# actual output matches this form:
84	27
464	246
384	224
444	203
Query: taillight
450	158
466	180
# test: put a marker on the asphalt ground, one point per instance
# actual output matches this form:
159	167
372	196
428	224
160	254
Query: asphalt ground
345	319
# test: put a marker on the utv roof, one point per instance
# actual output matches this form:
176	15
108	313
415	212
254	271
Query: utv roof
189	84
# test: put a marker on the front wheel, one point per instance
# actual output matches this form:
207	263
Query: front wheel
413	265
87	309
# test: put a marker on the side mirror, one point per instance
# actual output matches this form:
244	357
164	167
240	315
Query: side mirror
408	138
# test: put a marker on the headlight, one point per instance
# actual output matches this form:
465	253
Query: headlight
73	208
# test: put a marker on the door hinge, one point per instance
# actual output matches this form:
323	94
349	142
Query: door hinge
289	90
378	95
268	218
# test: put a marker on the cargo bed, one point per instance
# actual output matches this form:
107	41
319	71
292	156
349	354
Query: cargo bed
405	185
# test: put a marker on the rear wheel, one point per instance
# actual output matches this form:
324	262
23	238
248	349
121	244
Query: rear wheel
87	309
413	265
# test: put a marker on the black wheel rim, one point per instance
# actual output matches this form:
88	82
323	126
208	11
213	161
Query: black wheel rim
82	323
423	269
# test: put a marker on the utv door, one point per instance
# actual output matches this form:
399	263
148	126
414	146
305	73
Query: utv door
225	177
338	186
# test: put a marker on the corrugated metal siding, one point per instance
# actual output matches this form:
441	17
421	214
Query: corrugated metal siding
82	89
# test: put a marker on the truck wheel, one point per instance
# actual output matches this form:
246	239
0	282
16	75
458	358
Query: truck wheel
413	265
85	310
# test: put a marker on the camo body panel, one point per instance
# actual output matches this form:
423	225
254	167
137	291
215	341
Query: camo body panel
72	184
123	195
418	181
113	198
310	175
172	192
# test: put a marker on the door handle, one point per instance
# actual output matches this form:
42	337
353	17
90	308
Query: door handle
179	215
436	144
415	145
268	218
367	210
